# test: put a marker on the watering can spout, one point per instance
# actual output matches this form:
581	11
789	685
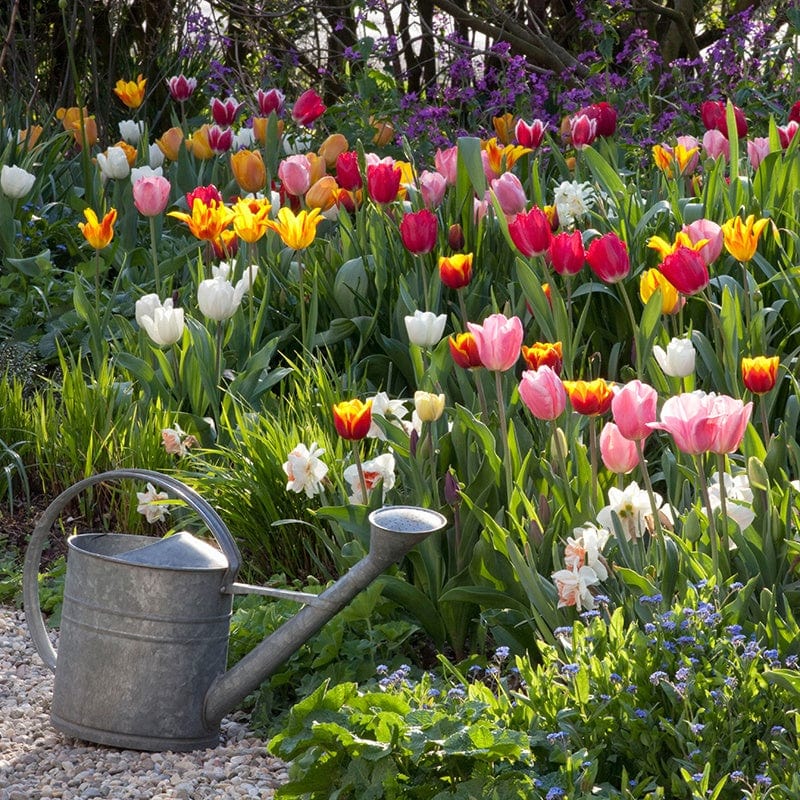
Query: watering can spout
394	530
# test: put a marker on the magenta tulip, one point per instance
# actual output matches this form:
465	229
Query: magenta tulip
181	88
608	258
220	140
634	407
383	180
348	174
686	270
418	231
543	392
498	340
307	108
566	253
225	112
618	453
786	132
582	130
151	195
509	193
604	116
530	232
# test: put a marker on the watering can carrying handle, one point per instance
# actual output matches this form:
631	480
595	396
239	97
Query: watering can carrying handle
41	534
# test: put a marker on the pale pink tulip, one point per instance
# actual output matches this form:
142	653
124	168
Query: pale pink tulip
295	174
633	408
706	229
446	162
498	340
757	150
151	194
716	144
618	453
509	193
543	392
432	186
728	419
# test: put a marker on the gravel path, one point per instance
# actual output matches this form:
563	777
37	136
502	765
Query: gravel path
39	763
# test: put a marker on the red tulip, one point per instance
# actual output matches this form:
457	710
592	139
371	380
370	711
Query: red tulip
530	232
604	115
786	132
348	175
383	180
608	258
686	270
714	116
456	270
794	112
208	194
760	373
352	418
307	108
418	231
566	253
582	130
464	350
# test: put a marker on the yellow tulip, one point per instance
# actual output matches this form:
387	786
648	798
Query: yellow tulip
665	248
198	145
250	219
248	169
653	280
296	230
205	222
131	92
98	233
741	236
429	406
662	156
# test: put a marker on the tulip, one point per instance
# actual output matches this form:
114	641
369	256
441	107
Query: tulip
741	236
206	222
728	418
650	282
604	116
170	143
759	374
348	175
114	164
678	359
218	298
424	328
618	453
296	230
181	88
455	236
455	271
432	187
686	270
503	126
383	180
716	145
151	195
208	194
787	132
145	172
530	232
543	392
250	219
582	130
352	418
446	162
757	150
464	350
332	148
541	354
163	323
224	112
323	194
530	135
419	231
633	408
499	340
78	122
98	233
220	139
198	145
566	253
226	245
607	256
131	92
260	125
131	132
28	137
248	170
295	174
714	115
429	406
384	131
16	182
590	398
708	231
307	108
509	193
269	101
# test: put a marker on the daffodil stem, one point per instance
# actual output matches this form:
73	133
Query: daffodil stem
648	485
360	470
154	255
501	410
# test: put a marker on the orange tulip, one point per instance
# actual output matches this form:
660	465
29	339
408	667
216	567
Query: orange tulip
352	418
226	245
249	171
206	222
502	157
332	148
323	194
384	131
170	143
198	145
504	127
760	373
317	165
541	354
131	92
130	152
260	129
73	119
98	233
29	136
590	398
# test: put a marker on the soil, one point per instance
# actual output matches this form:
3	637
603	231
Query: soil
17	525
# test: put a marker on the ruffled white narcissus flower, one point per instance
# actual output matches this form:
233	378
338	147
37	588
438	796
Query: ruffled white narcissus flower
304	470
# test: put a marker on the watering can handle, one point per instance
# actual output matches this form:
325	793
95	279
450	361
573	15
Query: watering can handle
41	533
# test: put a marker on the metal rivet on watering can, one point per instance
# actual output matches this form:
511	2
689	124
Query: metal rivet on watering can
145	622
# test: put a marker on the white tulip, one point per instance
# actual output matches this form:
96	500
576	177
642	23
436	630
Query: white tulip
678	359
425	328
218	298
131	131
114	164
163	323
155	156
145	306
16	182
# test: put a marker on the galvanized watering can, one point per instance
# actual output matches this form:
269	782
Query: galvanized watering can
144	624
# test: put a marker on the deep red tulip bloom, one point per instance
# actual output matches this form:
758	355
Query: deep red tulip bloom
225	112
352	418
566	253
686	270
418	231
383	180
714	116
608	258
605	117
269	101
307	108
530	232
220	140
181	88
208	194
786	132
530	135
464	350
348	175
760	373
794	112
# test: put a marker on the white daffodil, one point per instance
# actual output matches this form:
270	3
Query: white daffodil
393	411
573	200
738	498
573	585
151	504
632	506
304	470
376	469
586	549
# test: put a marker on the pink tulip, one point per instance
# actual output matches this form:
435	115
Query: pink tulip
432	186
757	150
530	232
498	340
307	108
608	258
446	162
716	145
151	194
295	174
618	453
706	229
530	135
634	408
543	392
509	193
786	132
728	419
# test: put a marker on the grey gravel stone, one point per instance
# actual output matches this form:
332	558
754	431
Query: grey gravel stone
39	763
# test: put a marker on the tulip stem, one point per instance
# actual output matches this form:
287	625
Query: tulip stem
501	409
712	528
303	323
648	485
555	444
593	460
218	356
765	430
360	470
154	255
97	281
434	479
636	348
723	500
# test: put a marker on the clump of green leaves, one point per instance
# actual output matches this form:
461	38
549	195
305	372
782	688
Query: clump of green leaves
683	706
